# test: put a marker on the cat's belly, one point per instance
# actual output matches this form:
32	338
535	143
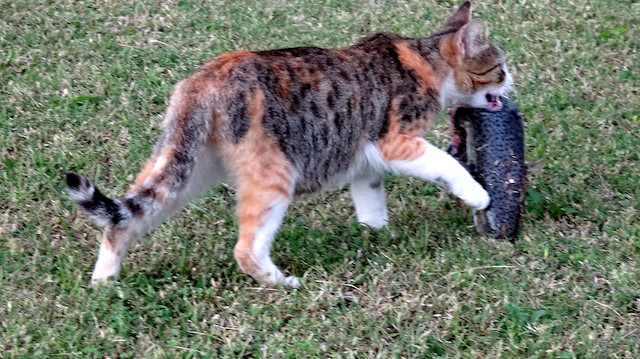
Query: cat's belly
365	161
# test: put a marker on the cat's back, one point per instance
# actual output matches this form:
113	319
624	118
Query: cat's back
319	106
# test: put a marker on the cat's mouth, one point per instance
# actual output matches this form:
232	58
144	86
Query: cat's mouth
458	133
493	102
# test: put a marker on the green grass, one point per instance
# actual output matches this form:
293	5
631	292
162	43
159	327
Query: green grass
84	84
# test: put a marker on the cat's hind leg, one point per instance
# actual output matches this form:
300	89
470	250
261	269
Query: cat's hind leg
367	191
265	180
414	156
153	198
262	204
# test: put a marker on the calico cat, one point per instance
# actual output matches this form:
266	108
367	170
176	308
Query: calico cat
282	122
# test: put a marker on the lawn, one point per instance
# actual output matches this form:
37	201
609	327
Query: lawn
83	87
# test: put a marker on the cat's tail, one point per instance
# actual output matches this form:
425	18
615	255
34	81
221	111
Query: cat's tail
168	179
105	211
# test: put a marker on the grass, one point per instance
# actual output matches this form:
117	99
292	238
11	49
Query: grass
83	86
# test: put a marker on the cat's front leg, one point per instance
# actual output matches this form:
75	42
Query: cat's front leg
369	199
414	156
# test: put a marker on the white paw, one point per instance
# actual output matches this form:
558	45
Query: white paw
276	278
475	196
375	223
291	281
102	282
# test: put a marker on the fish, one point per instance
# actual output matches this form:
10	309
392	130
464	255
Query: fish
490	144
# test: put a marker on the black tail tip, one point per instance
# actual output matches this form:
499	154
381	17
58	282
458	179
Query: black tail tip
73	180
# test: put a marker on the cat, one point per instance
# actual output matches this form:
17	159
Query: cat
282	122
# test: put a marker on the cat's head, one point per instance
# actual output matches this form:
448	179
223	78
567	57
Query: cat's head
480	74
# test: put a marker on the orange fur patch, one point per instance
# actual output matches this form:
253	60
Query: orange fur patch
151	169
397	146
400	147
413	61
225	62
452	49
112	238
264	177
143	176
284	80
342	55
417	128
315	79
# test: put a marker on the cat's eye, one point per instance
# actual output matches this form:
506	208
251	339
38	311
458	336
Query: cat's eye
485	72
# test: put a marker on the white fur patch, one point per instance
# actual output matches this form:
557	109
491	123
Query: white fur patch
83	192
107	267
437	166
160	163
370	200
451	95
373	158
262	247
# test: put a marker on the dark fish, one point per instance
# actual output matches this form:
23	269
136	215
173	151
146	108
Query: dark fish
491	145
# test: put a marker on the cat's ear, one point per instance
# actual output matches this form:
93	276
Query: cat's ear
463	43
460	18
472	37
